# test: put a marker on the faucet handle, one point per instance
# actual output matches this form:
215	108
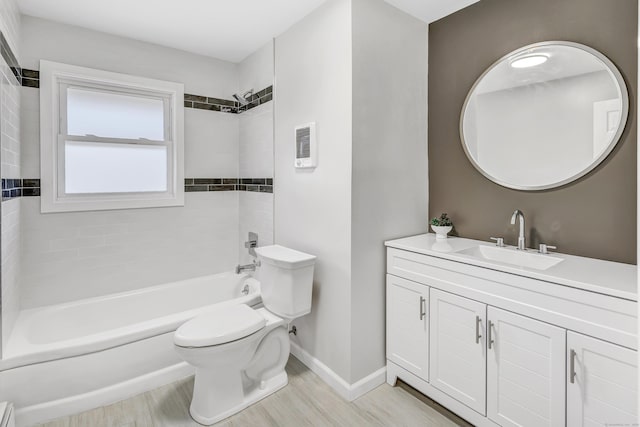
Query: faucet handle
499	241
543	249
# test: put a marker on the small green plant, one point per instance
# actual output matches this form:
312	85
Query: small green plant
443	221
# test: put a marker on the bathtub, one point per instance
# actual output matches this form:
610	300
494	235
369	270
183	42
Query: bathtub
67	358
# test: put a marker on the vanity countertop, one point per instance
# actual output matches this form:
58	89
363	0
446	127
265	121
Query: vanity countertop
595	275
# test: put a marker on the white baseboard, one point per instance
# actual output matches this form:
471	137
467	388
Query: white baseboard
347	391
35	414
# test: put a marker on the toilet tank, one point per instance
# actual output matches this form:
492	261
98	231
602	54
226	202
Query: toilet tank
286	279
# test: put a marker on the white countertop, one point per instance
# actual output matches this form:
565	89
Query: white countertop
595	275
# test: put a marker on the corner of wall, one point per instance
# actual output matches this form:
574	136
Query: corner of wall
313	208
389	177
10	143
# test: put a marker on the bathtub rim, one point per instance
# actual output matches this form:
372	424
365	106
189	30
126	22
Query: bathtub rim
19	352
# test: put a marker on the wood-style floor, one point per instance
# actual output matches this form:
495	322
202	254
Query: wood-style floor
306	401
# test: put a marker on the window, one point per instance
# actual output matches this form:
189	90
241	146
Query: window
109	140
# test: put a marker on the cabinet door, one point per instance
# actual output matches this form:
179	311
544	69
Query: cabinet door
525	371
457	360
602	383
408	325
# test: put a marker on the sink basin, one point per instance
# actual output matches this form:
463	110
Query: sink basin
512	256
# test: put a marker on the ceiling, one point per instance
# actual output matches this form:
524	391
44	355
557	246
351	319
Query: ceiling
224	29
430	10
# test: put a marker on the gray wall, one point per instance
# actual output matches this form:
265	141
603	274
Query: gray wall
594	216
366	91
389	171
312	208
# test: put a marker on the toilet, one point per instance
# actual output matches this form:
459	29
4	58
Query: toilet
239	352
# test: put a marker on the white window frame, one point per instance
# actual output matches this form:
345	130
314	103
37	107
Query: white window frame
55	78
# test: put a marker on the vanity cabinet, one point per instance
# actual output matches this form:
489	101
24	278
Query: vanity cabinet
408	325
525	371
602	383
502	349
458	355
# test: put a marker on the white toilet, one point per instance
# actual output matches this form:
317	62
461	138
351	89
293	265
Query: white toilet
239	352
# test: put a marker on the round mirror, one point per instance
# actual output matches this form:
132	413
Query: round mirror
544	115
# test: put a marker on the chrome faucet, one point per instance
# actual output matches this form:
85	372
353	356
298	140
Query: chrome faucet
247	267
517	214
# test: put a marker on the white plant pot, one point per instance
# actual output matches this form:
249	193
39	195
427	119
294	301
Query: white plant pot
441	231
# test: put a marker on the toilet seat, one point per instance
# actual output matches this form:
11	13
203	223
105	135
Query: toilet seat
219	326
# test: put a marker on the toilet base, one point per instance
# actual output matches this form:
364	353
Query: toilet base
267	388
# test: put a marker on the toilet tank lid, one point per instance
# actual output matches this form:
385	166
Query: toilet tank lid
284	257
218	326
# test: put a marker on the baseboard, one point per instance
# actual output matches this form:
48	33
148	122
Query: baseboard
41	412
347	391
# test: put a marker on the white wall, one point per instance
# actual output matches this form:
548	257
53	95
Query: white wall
256	161
256	70
68	256
313	208
73	255
10	24
9	168
256	150
389	168
366	91
201	75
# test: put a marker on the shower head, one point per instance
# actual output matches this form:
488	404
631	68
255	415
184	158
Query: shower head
244	98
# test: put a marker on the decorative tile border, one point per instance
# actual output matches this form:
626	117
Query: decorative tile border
209	103
28	187
260	185
15	187
31	78
258	98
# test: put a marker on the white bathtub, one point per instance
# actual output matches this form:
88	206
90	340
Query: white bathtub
71	357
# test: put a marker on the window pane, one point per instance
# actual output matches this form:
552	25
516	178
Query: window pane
92	167
114	115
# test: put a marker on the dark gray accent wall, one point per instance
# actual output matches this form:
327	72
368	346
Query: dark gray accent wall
594	216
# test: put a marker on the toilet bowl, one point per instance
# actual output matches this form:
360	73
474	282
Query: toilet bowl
239	353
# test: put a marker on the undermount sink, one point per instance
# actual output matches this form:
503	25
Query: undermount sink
513	256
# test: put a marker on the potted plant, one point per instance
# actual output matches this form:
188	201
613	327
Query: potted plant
441	226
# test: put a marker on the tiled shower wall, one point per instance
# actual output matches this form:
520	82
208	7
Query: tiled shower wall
9	167
256	151
68	256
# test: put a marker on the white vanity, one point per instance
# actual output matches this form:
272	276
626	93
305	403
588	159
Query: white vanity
511	338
